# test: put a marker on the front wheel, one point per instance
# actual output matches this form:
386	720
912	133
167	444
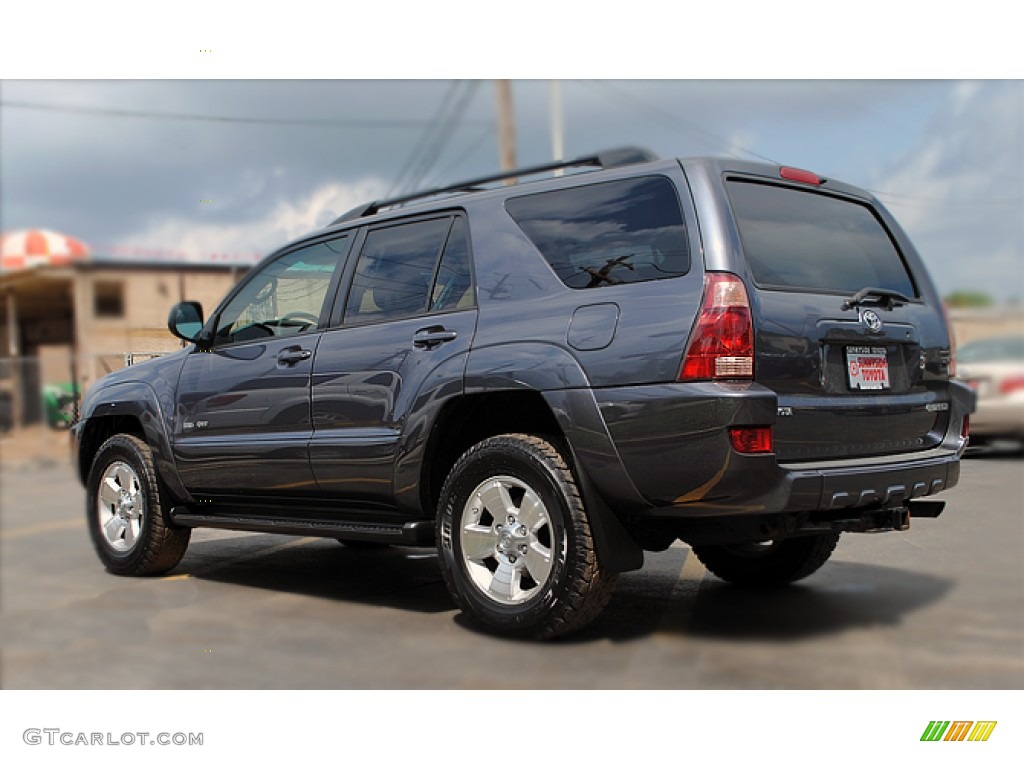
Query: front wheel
125	511
768	564
516	548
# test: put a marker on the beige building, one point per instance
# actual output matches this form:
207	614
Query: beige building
78	321
972	324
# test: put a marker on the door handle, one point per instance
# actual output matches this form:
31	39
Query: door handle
426	338
293	355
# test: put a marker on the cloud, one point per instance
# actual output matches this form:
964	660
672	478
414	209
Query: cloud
948	154
285	221
958	192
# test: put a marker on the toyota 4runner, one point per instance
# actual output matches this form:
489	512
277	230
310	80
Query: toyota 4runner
546	379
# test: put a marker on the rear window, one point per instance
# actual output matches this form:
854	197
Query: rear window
806	240
606	234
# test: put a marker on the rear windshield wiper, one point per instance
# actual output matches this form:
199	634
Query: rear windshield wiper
881	297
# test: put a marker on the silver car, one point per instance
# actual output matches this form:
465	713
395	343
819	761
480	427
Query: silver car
994	368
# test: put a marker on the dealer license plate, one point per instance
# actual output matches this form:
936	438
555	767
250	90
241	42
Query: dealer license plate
867	368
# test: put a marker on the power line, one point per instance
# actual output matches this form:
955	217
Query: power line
677	123
669	120
902	199
470	149
130	113
424	138
442	137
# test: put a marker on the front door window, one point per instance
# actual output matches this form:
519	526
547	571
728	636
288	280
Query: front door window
284	299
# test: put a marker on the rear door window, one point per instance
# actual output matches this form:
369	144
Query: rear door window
606	234
395	271
812	241
453	286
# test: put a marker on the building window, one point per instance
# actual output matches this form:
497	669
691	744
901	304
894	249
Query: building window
108	299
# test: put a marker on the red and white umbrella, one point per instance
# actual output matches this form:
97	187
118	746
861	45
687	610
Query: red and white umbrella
29	248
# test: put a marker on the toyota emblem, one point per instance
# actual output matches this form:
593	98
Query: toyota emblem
871	320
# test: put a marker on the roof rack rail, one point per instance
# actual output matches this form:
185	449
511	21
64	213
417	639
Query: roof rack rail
610	158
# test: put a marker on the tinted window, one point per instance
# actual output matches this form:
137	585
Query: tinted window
395	271
453	288
285	297
796	239
606	234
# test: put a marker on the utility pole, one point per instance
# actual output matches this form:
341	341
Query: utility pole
506	128
557	125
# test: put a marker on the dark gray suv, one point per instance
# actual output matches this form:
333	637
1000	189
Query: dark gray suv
546	379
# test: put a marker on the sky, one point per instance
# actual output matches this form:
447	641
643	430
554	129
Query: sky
241	166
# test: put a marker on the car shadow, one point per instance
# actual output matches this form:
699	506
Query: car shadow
396	577
841	597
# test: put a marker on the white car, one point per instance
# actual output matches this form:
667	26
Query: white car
994	367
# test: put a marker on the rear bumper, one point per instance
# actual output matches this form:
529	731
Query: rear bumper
887	482
673	443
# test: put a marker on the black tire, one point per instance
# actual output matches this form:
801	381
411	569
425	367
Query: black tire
157	547
576	589
768	565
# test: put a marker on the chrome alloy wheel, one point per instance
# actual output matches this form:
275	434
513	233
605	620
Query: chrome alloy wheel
506	540
120	506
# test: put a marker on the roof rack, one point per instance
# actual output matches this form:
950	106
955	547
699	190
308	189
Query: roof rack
610	158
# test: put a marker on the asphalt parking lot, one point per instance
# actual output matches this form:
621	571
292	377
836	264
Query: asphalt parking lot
941	606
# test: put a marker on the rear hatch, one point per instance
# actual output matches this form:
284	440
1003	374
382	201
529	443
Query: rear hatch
844	336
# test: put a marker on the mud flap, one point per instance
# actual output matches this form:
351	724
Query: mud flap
616	549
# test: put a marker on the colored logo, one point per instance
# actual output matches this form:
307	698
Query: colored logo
958	730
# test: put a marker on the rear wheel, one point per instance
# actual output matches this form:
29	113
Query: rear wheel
125	511
768	564
516	548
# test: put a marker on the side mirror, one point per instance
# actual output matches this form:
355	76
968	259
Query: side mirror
186	320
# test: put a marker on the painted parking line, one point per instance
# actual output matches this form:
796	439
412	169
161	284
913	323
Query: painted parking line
35	530
683	599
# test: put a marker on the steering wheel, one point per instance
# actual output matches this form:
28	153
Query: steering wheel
308	317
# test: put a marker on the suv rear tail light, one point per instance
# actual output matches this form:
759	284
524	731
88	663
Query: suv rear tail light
722	343
965	428
751	439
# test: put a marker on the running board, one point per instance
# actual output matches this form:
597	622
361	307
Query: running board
417	534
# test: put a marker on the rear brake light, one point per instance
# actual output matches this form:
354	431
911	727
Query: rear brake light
751	439
1011	385
965	428
722	343
796	174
